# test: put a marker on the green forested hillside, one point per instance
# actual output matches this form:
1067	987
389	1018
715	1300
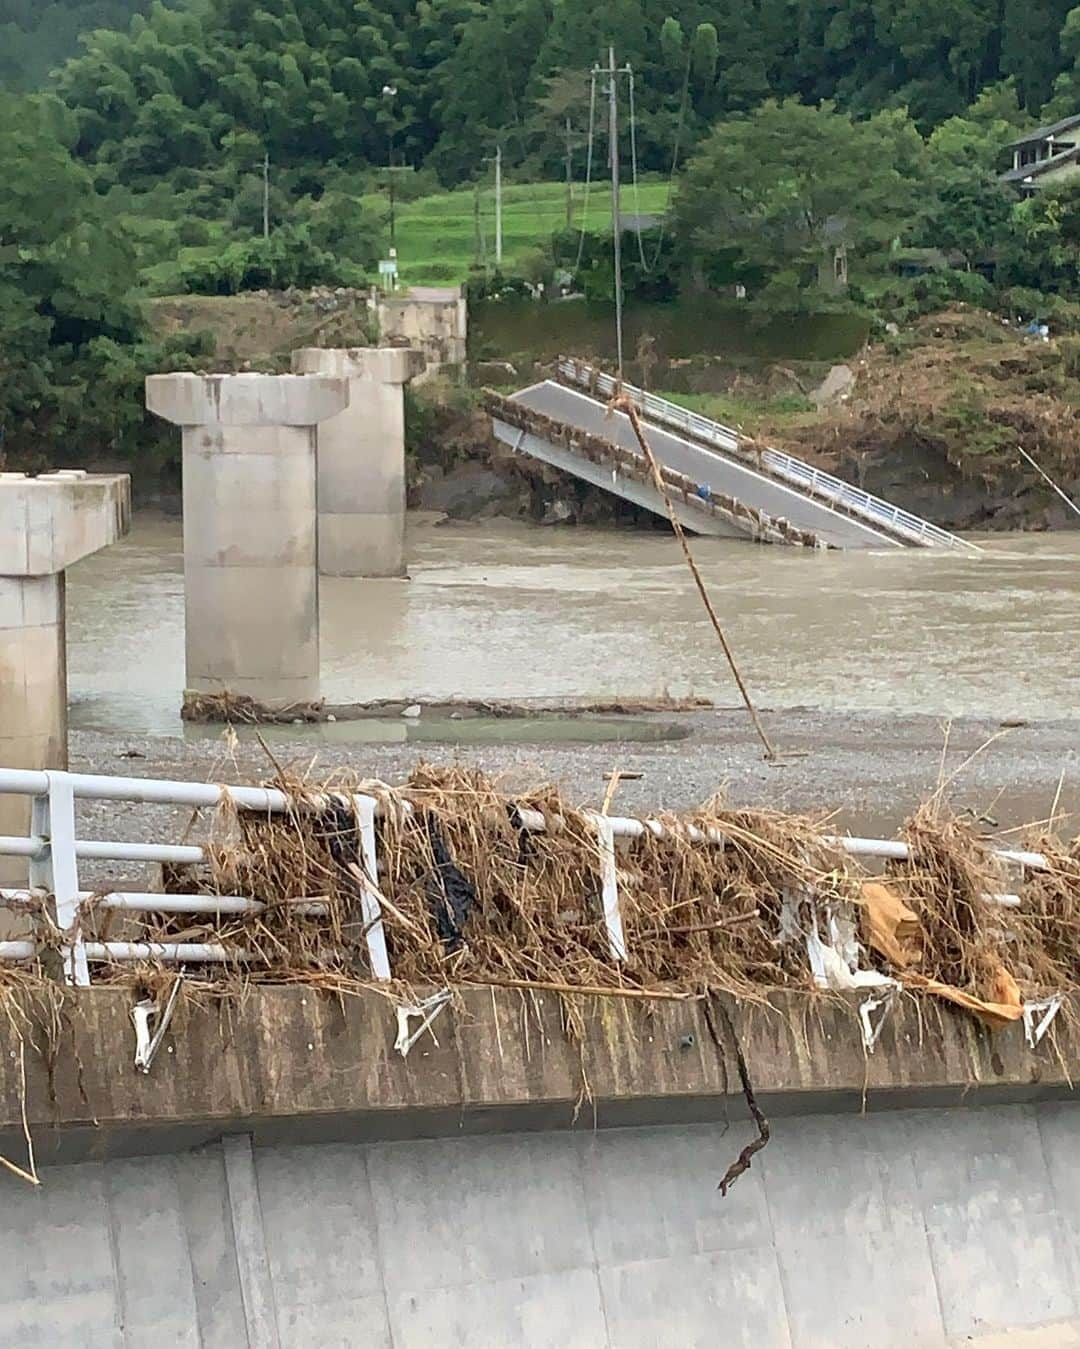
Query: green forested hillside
310	80
34	38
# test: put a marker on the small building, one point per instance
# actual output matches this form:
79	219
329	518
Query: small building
1045	156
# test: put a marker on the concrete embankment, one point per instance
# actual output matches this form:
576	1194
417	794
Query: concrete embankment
922	1226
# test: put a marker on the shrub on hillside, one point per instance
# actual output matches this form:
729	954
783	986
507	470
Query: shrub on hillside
192	233
906	298
1026	304
288	258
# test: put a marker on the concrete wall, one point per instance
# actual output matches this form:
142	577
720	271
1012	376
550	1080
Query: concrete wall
433	319
919	1228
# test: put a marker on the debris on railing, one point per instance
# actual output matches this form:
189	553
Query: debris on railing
345	885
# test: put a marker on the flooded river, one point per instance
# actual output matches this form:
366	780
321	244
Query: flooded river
508	610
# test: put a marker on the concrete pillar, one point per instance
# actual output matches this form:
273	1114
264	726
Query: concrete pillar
251	589
362	460
46	524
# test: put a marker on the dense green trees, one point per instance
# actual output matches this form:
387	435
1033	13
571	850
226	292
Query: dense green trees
809	135
778	197
791	107
71	331
181	105
310	80
35	37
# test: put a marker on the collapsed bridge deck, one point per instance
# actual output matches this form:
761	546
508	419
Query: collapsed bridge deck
761	494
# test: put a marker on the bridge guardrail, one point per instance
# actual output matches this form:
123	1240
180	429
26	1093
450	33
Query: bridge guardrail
54	850
814	481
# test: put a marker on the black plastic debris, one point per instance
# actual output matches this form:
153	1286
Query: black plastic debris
450	894
339	829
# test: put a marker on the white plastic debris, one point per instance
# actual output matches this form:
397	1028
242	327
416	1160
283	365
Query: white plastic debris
831	970
1049	1007
427	1010
142	1014
872	1029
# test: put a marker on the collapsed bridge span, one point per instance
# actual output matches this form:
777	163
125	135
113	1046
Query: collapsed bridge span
723	484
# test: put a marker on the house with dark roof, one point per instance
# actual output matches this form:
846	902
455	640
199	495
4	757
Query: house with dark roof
1045	156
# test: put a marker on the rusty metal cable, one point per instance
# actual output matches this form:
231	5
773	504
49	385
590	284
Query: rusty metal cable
621	403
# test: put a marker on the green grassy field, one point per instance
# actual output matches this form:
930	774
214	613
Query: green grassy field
437	236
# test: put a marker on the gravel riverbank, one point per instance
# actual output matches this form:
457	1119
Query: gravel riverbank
870	771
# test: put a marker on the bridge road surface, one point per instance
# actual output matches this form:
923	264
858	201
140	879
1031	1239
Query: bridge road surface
727	477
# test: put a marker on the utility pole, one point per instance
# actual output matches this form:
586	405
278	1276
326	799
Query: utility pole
569	178
483	248
616	223
266	195
498	206
389	93
390	175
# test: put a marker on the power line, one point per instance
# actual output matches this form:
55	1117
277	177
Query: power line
588	172
633	160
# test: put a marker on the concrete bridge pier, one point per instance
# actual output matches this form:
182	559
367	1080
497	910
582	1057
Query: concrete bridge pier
361	459
46	524
251	588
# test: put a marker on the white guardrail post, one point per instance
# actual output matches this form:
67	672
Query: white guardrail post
369	903
56	869
609	886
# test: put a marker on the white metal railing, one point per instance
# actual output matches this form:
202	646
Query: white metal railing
813	481
54	851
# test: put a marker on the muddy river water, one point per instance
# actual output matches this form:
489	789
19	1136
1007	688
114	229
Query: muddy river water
509	610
